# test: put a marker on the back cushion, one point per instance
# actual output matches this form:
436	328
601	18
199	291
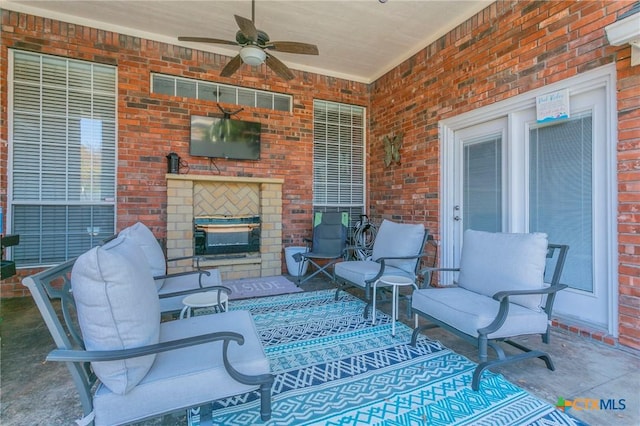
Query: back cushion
330	235
118	308
493	262
149	245
399	239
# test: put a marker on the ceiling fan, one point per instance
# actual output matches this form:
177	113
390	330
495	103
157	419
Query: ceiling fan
255	46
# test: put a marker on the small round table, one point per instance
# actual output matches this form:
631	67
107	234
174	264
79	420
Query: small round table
206	299
394	281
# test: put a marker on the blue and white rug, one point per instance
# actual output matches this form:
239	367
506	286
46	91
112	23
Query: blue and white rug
333	367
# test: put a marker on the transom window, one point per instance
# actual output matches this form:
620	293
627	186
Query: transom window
199	89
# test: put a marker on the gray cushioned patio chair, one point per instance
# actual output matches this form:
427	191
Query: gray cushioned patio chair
500	293
128	366
397	250
327	245
172	288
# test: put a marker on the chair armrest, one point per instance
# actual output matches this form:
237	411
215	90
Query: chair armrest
414	256
224	289
503	298
65	355
180	274
69	355
430	270
382	263
499	296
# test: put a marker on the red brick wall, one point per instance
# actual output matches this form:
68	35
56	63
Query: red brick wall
509	48
150	126
628	86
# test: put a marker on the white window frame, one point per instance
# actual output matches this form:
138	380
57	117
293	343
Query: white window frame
321	202
66	250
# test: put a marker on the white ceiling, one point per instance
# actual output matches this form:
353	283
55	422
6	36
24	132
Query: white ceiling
358	40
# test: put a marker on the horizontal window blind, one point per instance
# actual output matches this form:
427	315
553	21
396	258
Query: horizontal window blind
63	145
338	157
561	192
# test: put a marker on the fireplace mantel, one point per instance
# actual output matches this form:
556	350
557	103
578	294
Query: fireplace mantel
218	178
189	194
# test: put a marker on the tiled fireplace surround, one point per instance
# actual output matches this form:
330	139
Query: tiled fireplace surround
200	195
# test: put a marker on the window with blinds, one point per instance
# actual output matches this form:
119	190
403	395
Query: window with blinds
338	158
63	156
561	192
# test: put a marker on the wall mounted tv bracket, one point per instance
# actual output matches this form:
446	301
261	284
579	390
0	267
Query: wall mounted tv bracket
226	114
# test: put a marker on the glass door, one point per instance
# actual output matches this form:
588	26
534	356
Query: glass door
479	199
568	192
515	175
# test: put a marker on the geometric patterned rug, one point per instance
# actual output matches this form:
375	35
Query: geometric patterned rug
333	367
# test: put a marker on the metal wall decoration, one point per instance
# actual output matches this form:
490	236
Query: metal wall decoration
392	147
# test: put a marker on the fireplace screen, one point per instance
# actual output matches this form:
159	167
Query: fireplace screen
226	234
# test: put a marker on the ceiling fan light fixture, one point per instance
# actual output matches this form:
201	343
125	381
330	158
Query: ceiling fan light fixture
252	55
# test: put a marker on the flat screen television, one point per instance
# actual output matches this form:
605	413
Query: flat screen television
217	137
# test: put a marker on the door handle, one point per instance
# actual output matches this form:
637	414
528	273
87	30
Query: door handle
457	218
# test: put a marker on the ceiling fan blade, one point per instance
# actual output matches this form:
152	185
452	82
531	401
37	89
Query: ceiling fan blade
207	40
279	68
293	47
247	28
231	67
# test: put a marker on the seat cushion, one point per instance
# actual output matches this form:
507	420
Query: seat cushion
492	262
190	376
467	311
118	308
143	236
358	272
396	240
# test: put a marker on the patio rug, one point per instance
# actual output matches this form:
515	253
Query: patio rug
333	367
259	287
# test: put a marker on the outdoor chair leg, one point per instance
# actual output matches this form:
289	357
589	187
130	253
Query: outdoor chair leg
265	401
477	374
418	330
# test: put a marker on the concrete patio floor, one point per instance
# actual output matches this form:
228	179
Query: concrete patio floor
34	392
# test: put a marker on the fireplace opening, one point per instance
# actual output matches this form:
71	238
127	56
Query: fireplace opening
223	234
